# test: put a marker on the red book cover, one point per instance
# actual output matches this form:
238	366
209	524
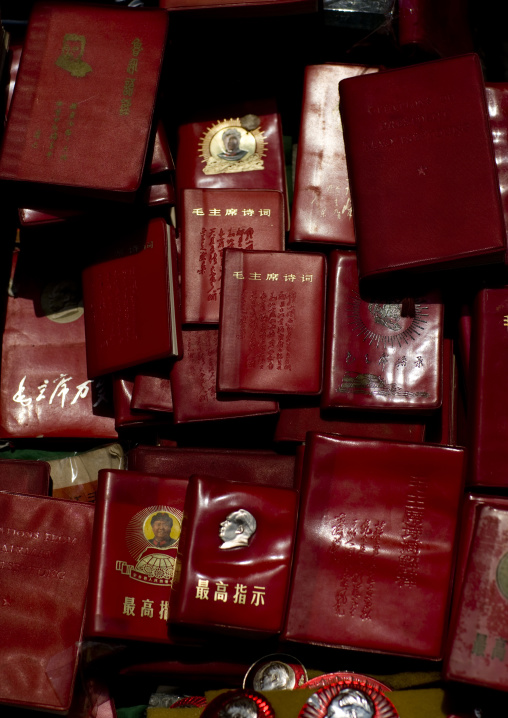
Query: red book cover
375	357
497	103
25	476
229	577
213	219
438	27
152	389
242	8
375	546
322	209
271	322
194	380
132	312
442	426
43	583
85	91
136	532
125	415
479	636
422	133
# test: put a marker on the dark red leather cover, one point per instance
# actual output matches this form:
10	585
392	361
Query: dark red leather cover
442	425
58	136
125	415
265	468
43	582
241	587
422	134
131	576
440	27
271	322
194	379
375	545
162	159
322	209
375	358
132	312
211	220
24	476
152	389
497	103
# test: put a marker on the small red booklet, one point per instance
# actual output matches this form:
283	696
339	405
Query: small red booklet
213	219
152	388
271	322
25	476
435	27
125	415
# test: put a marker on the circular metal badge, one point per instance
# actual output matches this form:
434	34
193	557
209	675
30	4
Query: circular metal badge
356	700
239	704
276	672
347	680
190	702
502	575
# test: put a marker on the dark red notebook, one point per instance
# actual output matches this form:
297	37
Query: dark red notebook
25	476
375	357
43	582
497	103
271	322
213	219
136	532
375	546
132	312
435	27
125	414
152	389
422	135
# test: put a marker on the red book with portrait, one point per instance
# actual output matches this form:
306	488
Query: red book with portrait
213	219
43	583
375	357
374	556
82	111
24	476
271	322
136	533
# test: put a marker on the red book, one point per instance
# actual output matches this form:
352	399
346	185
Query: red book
43	585
194	379
230	578
375	357
136	532
132	313
152	389
442	426
211	220
375	546
56	137
24	476
437	27
497	103
271	322
242	8
125	415
422	134
322	209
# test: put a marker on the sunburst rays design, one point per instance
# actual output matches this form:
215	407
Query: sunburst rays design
137	543
210	132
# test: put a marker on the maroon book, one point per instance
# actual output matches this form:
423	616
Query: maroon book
125	414
152	389
241	8
376	533
497	103
213	219
442	426
25	476
271	322
436	27
375	357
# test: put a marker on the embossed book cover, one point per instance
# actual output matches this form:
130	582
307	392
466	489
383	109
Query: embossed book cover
376	536
136	533
25	476
82	110
375	357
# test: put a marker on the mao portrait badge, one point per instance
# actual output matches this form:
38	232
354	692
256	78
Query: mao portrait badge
351	698
234	145
237	529
239	704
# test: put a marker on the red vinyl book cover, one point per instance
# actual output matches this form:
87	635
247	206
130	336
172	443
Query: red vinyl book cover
194	380
136	533
497	103
375	357
375	547
242	8
271	322
43	582
435	27
442	426
152	389
213	219
132	311
422	134
24	476
125	415
322	209
82	110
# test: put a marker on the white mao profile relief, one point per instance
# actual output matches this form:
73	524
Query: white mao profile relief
351	703
237	529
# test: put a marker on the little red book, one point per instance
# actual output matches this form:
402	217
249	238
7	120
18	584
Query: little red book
422	134
125	415
137	526
132	311
152	389
271	322
322	209
375	547
43	582
213	219
377	358
242	8
497	103
435	27
82	111
25	476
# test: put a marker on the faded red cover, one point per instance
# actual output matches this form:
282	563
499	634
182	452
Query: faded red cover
125	415
479	635
132	312
133	556
242	8
24	476
440	27
152	389
45	390
56	137
265	468
211	220
376	358
229	577
322	209
375	545
194	379
422	134
43	583
271	322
